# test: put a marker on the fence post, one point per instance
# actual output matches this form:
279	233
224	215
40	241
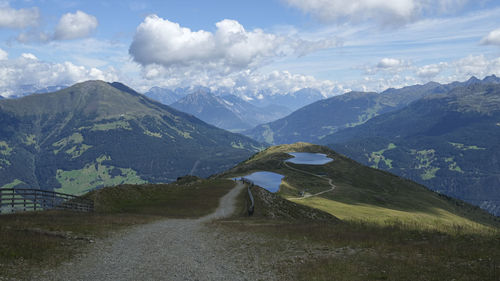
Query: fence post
35	202
24	201
12	202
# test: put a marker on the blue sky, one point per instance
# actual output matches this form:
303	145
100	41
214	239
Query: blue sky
248	47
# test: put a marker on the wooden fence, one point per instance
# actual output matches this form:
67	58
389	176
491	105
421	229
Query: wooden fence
252	203
22	199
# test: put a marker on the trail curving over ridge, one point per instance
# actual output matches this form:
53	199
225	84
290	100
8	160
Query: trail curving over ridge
330	182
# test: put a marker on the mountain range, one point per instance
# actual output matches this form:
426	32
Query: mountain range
164	95
448	142
96	134
313	122
263	98
293	100
443	136
92	134
228	111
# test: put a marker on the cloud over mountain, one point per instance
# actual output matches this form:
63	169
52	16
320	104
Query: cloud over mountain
160	41
493	38
28	69
231	47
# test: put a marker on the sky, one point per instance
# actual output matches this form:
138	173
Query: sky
248	47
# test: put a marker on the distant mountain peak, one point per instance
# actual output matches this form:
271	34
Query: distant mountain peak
472	80
492	79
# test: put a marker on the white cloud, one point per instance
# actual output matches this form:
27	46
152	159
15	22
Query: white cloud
33	36
478	66
20	18
28	70
389	63
382	11
493	38
280	82
160	42
443	72
3	55
28	56
430	71
459	70
73	26
246	83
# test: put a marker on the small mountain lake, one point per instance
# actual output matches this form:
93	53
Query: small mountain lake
267	180
309	158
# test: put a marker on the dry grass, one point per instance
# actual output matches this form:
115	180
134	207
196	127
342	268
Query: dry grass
35	240
330	250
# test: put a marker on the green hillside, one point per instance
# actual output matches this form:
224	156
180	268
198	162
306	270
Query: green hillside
314	122
364	194
96	134
449	143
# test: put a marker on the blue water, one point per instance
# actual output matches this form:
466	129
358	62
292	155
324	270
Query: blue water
268	180
309	158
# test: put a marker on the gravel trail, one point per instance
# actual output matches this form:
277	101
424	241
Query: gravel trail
330	182
172	249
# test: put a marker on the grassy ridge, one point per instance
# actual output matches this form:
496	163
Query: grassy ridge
366	194
312	247
44	239
391	228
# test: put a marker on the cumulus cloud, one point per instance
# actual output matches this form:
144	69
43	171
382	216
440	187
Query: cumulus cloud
461	69
160	42
70	26
443	72
478	66
382	11
493	38
389	63
3	55
282	82
245	83
73	26
431	70
28	70
28	56
18	18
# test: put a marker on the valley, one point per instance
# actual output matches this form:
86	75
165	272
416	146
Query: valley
433	134
308	140
200	228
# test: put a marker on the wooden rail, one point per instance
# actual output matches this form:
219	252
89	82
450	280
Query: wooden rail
23	199
252	205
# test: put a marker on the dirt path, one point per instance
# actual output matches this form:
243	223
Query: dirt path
330	182
173	249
